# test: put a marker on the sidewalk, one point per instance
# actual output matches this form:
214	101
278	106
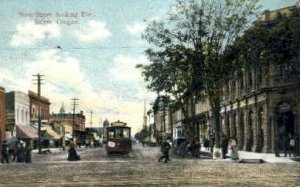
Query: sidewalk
48	150
267	157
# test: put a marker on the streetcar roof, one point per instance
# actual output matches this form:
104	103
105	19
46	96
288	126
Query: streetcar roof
118	124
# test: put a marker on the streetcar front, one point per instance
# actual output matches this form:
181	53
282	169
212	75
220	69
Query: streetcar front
118	138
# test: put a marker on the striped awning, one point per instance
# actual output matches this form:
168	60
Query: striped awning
49	133
26	132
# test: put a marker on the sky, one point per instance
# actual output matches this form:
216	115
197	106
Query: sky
86	49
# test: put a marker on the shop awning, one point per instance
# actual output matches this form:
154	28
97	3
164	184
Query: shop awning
96	137
26	132
49	133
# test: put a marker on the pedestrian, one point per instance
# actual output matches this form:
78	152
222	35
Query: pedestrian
4	153
165	147
285	145
72	152
224	142
291	146
20	153
206	144
277	146
234	149
182	148
28	153
212	144
196	149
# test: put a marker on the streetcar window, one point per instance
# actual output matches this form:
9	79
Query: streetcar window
111	133
126	133
119	133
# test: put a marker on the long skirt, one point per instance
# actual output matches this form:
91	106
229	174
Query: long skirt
234	153
73	155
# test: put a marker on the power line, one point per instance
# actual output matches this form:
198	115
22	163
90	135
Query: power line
74	48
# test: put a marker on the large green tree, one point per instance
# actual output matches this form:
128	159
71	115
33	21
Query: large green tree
187	49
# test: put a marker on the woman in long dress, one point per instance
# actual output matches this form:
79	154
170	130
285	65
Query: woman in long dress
72	152
234	152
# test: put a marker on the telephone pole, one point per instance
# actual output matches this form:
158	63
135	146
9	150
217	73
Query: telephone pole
39	79
74	108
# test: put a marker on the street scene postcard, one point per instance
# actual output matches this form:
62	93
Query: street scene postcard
149	93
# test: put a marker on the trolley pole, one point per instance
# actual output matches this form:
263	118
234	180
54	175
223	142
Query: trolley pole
39	108
74	108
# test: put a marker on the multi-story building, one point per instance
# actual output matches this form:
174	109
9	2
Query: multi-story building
260	105
17	110
2	116
36	102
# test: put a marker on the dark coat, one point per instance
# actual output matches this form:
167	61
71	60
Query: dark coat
73	155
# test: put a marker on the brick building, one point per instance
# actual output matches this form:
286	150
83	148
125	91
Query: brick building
44	104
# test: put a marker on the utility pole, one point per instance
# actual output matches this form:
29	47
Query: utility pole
74	108
39	79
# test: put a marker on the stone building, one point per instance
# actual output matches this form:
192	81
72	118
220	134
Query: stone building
2	116
260	104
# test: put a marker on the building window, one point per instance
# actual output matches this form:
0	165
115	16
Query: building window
284	71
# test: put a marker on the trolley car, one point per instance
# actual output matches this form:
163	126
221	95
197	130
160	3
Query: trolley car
118	138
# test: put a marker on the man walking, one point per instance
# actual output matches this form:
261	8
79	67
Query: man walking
4	153
224	145
165	147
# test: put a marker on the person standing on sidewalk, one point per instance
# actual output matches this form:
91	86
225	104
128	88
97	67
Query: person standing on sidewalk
28	152
234	152
224	145
4	153
292	144
212	143
277	146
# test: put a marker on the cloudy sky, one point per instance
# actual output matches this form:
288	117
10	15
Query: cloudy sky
99	45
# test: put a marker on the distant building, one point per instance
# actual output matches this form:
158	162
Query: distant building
65	121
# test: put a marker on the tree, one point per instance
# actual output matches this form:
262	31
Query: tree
187	48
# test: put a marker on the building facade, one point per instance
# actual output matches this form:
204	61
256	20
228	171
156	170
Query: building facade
71	124
17	110
36	102
260	104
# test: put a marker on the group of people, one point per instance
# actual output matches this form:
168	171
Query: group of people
193	147
285	143
232	142
18	153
